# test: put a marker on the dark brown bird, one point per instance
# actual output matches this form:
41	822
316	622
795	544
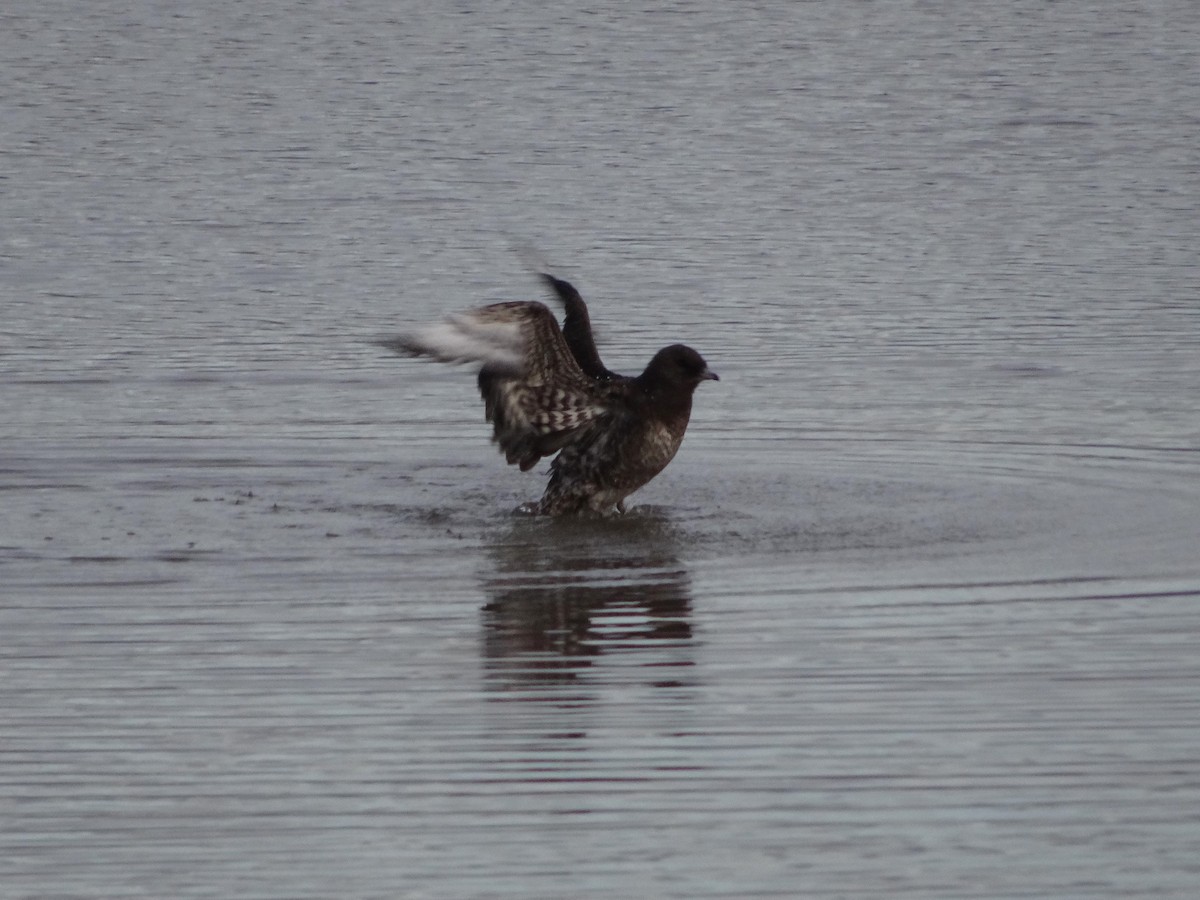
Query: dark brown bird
546	391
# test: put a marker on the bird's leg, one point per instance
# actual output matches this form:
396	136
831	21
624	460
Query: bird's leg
621	506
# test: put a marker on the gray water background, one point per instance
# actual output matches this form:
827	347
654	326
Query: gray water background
913	614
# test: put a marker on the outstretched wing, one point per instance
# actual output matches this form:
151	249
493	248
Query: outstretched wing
535	394
577	328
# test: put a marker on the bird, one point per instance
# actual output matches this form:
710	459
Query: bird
547	393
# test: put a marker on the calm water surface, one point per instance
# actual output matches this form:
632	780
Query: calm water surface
914	613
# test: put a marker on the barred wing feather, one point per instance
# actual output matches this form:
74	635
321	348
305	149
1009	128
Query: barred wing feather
534	392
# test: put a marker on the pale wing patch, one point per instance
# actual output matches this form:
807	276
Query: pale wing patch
464	338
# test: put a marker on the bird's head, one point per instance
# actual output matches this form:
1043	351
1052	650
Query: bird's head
680	366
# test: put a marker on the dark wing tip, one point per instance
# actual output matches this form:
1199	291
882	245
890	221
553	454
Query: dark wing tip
577	328
564	290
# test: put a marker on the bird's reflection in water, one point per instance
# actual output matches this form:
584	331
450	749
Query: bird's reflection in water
565	592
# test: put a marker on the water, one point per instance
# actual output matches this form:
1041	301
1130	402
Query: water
914	612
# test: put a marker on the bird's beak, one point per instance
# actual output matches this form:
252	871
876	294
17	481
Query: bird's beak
709	375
